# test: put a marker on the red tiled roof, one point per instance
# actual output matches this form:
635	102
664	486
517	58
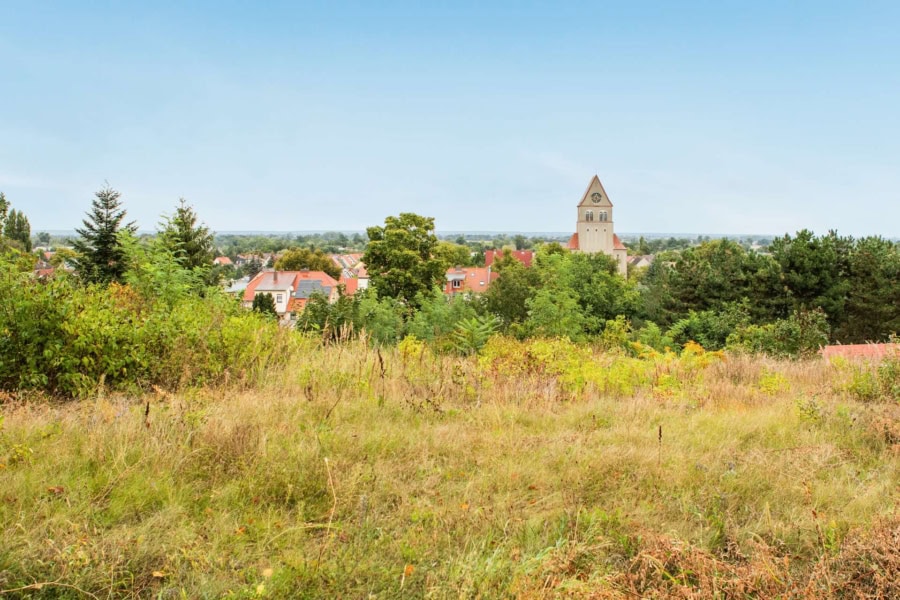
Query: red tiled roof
274	280
351	285
617	243
573	242
523	256
222	260
861	350
471	279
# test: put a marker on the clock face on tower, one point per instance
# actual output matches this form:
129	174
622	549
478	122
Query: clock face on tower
596	197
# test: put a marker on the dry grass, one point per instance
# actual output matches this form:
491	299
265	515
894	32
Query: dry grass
444	479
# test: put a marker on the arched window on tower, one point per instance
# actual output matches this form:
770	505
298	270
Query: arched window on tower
588	215
603	216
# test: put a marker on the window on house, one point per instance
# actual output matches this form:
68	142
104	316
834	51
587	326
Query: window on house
603	216
279	298
457	283
589	215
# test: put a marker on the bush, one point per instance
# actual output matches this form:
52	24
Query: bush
64	338
802	334
873	383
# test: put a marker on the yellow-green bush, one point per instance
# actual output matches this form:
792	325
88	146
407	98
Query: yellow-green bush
65	338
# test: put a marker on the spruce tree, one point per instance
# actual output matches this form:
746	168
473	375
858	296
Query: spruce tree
191	242
101	257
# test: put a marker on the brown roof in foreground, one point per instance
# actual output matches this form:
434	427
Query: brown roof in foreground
876	351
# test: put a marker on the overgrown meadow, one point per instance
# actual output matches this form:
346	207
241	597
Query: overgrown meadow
534	469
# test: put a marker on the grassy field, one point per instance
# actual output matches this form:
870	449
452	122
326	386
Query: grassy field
537	470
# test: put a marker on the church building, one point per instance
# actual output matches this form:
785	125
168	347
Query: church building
594	231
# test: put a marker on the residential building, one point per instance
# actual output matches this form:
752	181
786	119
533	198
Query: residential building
468	280
290	289
640	260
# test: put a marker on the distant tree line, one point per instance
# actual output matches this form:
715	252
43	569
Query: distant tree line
803	292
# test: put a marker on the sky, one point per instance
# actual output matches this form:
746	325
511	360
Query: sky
699	117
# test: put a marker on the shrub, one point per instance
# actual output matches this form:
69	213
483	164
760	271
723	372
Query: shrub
61	337
802	334
876	382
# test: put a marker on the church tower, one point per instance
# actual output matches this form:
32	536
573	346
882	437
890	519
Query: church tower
594	230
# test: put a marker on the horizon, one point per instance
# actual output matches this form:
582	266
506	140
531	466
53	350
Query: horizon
697	117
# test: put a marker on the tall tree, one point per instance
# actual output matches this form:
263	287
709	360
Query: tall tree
189	240
508	296
101	257
4	210
873	301
814	271
18	229
400	258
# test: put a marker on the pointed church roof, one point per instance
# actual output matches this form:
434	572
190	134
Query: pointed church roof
595	187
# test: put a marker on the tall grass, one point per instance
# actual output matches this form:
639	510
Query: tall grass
355	472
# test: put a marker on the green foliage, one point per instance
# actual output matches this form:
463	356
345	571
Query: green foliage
602	293
264	304
507	297
400	258
18	230
879	382
297	259
101	257
710	277
651	336
336	321
554	313
189	241
452	255
381	318
813	271
157	272
801	334
710	328
470	335
872	309
437	318
4	210
64	338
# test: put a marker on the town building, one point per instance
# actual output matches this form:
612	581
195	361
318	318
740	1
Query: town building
290	289
594	229
468	280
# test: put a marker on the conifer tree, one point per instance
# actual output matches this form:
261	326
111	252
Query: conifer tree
101	256
190	241
18	229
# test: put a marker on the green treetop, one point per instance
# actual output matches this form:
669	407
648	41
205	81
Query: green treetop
400	258
101	256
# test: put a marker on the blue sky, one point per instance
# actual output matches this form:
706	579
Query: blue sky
718	117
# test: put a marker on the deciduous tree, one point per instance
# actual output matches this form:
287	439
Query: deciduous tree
400	258
297	259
